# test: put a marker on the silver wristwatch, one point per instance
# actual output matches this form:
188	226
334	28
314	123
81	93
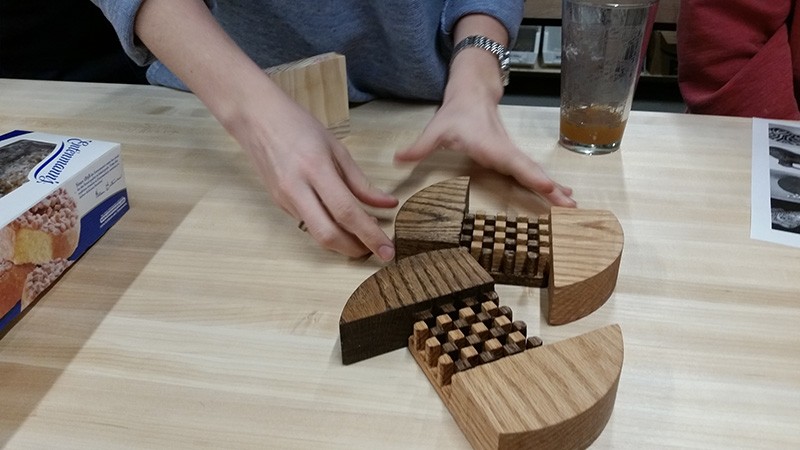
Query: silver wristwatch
494	47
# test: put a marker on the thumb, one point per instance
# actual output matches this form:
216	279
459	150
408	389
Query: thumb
424	146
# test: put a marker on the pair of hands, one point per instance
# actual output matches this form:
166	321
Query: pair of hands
312	176
309	173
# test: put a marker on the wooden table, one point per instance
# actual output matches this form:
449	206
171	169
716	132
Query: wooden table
205	318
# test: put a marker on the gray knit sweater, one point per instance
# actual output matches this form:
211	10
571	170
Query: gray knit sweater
393	48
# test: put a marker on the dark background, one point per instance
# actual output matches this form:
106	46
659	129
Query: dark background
66	40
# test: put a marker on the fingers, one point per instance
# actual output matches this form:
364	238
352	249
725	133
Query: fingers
427	142
531	175
321	226
333	216
358	183
347	217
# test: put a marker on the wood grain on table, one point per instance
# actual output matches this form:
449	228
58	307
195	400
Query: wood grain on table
205	318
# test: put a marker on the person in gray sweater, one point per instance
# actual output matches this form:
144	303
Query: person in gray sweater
449	51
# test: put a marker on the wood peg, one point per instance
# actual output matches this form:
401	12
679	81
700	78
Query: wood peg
507	312
462	365
421	334
516	338
491	296
490	308
533	342
520	326
445	368
480	330
486	258
475	341
457	338
467	314
503	323
451	349
511	349
494	347
507	263
469	354
444	322
433	349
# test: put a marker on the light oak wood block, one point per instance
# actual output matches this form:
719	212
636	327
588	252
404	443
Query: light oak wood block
432	218
558	396
319	84
379	316
586	250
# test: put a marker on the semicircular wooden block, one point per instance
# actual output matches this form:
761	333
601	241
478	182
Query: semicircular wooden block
558	396
378	316
432	218
585	252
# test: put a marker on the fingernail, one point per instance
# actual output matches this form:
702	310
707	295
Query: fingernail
386	252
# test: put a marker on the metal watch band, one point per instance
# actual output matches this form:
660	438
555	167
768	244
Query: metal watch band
494	47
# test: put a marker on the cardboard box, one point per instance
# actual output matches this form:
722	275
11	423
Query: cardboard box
58	196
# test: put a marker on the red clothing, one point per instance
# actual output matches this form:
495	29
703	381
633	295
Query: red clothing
740	57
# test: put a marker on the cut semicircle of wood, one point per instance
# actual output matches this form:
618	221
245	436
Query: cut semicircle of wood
505	390
378	316
558	396
585	253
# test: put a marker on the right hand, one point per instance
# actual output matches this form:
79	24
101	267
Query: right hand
306	170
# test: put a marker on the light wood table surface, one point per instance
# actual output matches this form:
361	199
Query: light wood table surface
205	318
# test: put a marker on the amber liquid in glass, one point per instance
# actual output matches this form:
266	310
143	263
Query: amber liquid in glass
593	126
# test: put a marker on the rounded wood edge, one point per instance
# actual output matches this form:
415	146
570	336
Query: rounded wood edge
602	355
562	305
582	275
431	202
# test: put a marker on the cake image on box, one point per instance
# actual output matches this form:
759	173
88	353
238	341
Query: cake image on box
47	231
41	278
12	282
18	159
58	196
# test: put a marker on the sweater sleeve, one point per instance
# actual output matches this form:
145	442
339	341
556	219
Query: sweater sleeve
735	58
507	12
122	14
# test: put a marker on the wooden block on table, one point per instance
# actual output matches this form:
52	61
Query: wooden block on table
567	395
380	314
319	84
585	254
432	218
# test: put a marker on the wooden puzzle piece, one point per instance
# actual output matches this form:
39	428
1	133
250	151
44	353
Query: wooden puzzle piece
557	396
379	314
459	336
504	389
318	84
432	218
514	250
586	250
573	254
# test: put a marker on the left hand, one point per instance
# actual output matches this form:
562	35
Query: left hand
471	124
